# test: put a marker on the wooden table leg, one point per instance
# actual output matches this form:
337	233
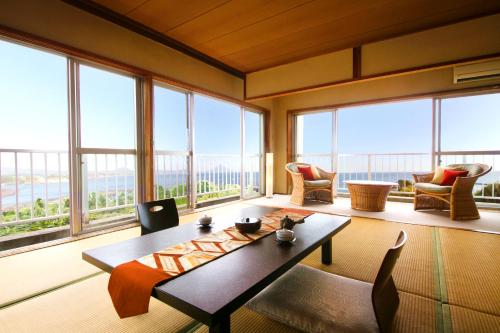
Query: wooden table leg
326	252
222	326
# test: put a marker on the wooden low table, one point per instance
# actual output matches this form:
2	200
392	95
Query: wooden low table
369	195
211	292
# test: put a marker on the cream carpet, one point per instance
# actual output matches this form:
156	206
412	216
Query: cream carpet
395	211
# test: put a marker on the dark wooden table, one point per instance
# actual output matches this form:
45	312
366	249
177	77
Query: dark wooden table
210	293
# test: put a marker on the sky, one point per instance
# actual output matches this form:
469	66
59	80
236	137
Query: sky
33	115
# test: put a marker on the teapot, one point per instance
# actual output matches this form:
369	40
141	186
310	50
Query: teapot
288	223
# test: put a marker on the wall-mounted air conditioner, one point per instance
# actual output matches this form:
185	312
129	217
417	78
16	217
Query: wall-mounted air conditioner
479	71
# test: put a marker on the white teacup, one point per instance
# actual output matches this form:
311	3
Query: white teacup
205	220
284	235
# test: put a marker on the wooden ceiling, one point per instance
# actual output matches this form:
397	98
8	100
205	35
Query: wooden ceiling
249	35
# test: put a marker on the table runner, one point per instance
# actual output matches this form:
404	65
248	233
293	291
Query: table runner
130	284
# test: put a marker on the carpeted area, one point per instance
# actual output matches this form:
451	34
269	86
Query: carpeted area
394	211
448	279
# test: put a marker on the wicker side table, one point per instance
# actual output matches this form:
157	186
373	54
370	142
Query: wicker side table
369	195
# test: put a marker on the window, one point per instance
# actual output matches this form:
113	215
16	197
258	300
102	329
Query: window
470	134
34	190
171	144
314	139
107	112
217	148
253	154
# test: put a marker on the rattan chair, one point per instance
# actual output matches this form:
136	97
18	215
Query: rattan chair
457	198
315	301
318	189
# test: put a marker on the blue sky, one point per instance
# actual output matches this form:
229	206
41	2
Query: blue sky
33	115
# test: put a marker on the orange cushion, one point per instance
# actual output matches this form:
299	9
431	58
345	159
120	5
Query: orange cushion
451	175
307	172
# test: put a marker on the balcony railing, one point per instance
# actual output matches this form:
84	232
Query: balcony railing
34	188
398	167
217	176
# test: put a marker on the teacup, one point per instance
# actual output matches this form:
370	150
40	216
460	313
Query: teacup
205	220
284	235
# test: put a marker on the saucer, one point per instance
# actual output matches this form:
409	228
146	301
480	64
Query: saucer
210	225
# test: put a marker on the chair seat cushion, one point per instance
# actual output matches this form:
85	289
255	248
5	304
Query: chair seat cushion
315	301
317	183
433	188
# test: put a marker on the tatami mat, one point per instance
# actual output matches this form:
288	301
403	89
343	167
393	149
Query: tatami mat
466	321
36	271
86	307
472	269
358	251
415	315
244	320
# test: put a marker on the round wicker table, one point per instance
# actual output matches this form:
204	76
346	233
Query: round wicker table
369	195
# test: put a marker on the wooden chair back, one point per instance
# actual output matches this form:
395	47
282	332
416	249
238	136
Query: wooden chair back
385	298
157	215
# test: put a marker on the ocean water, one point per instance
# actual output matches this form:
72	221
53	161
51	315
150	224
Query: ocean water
170	180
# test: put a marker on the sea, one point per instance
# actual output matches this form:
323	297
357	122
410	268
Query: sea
168	180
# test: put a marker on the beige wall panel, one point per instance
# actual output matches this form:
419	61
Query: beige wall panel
462	40
60	22
316	70
418	83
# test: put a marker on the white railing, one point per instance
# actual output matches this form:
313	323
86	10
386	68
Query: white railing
393	167
217	175
398	167
108	184
487	187
171	175
34	184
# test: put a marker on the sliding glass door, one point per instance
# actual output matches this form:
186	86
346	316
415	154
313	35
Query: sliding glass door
253	153
172	152
469	133
105	146
207	151
314	138
34	188
385	142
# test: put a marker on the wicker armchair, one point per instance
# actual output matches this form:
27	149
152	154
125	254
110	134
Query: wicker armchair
457	198
318	189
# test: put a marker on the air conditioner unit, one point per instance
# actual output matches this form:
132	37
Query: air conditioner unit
479	71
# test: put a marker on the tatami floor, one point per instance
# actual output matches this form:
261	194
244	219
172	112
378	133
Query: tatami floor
449	279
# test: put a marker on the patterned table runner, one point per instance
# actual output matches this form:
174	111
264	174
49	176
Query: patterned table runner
131	283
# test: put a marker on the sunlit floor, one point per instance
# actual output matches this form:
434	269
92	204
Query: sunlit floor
57	278
394	211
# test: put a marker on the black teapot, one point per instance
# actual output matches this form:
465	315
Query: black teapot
288	223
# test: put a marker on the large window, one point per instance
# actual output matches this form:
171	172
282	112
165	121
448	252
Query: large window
34	176
107	113
203	146
217	148
314	138
72	139
171	144
470	133
390	141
